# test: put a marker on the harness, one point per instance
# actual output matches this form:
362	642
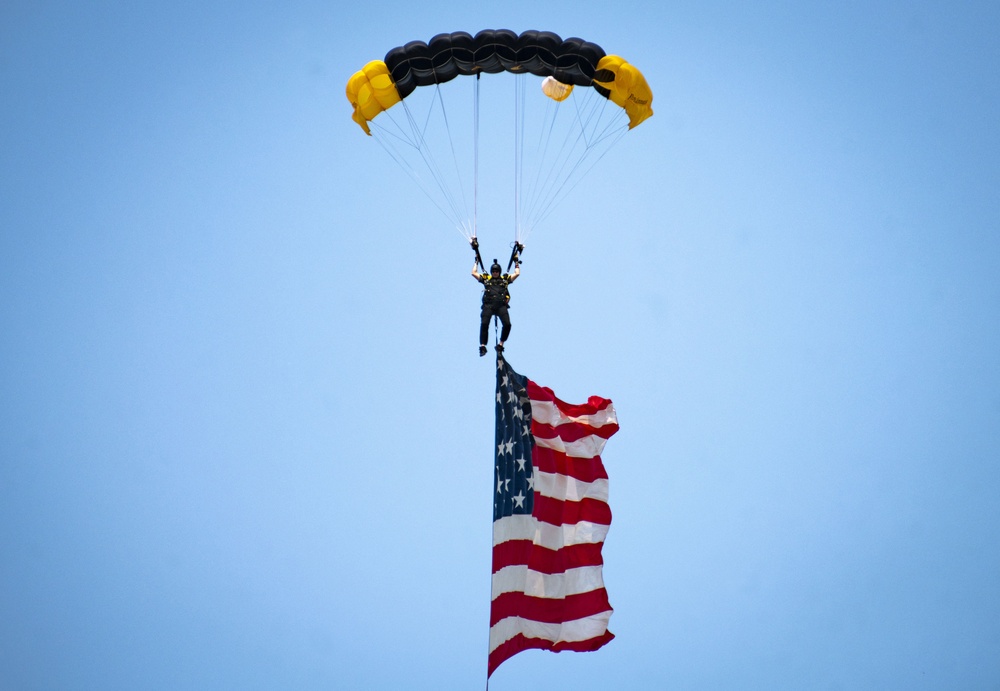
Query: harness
495	290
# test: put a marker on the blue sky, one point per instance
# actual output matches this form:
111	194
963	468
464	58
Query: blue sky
245	437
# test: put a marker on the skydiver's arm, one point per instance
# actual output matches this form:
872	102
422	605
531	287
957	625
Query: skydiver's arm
475	272
517	272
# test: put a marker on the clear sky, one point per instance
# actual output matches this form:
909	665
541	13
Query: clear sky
246	438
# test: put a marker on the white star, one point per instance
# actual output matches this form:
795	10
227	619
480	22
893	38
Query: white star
503	382
498	397
499	484
518	413
527	430
519	500
531	482
506	484
500	450
510	447
510	396
520	463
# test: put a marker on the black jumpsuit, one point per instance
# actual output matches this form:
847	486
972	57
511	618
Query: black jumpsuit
494	303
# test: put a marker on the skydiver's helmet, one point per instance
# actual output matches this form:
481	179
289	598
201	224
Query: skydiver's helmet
495	270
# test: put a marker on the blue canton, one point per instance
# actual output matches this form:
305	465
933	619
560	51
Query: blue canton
514	475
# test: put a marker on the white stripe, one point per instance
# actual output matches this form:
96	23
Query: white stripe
548	413
524	527
521	579
585	447
567	488
577	630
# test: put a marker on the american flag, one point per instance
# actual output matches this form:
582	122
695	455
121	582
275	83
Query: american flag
550	518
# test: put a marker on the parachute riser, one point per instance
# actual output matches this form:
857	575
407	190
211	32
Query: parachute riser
479	259
515	255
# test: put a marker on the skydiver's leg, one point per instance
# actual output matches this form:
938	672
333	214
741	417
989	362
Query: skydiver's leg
501	311
484	325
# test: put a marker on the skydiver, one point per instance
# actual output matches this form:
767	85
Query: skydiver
495	297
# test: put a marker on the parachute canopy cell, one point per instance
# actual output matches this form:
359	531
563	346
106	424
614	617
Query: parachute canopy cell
626	87
572	62
371	91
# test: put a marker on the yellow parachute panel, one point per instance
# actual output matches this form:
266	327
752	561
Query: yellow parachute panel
371	91
626	86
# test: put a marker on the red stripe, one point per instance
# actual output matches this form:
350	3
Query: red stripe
549	610
524	553
556	512
572	431
583	469
519	643
594	404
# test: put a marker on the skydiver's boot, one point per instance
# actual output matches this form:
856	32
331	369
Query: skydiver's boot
499	347
482	350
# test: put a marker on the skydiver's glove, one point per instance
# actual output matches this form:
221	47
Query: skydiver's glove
475	243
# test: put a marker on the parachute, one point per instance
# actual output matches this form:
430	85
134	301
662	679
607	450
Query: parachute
585	100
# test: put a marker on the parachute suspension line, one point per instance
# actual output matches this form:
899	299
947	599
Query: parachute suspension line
565	190
578	171
597	129
413	135
519	89
427	156
552	165
454	155
517	156
475	156
382	137
540	149
593	135
597	132
539	190
402	130
523	194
